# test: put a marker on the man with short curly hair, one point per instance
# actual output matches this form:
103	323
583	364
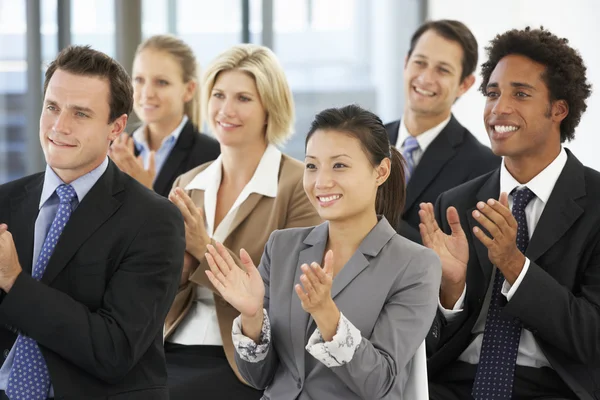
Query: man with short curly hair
519	312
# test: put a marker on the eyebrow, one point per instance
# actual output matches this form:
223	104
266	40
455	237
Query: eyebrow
141	75
332	157
86	110
244	93
513	84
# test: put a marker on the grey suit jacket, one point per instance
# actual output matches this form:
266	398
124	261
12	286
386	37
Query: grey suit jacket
388	290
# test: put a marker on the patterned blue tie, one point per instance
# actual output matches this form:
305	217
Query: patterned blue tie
29	378
501	336
409	147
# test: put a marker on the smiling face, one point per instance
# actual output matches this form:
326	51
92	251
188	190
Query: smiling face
519	117
159	91
74	130
236	113
432	76
339	178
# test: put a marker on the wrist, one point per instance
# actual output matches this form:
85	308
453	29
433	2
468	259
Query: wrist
513	267
450	293
8	283
252	325
327	319
256	316
199	251
328	311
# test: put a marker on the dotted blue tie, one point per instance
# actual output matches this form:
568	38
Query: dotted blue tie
501	336
409	147
29	378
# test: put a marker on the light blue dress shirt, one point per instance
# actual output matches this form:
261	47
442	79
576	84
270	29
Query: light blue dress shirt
48	208
167	145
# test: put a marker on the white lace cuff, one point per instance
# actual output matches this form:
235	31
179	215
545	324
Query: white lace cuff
248	349
342	347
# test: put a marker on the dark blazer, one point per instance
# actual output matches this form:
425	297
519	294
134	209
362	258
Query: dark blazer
454	157
387	290
559	297
191	150
98	312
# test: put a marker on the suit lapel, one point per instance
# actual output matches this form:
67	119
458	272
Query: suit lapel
316	241
175	159
97	206
197	197
244	210
392	131
25	210
490	189
561	211
439	152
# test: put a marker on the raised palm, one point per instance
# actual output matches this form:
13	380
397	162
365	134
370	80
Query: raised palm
452	249
243	288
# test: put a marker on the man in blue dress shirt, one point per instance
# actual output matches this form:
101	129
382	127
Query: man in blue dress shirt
89	259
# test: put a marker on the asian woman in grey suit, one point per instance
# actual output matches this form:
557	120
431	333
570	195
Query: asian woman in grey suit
349	329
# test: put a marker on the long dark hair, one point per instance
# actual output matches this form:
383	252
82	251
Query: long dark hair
369	130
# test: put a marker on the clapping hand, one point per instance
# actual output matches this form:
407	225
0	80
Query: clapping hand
196	237
498	220
10	267
123	154
315	291
242	288
453	251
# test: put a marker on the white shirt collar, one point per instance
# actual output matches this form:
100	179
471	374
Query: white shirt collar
139	135
264	181
542	184
425	138
81	185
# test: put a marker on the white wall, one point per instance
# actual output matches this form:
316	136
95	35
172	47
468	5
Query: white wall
575	20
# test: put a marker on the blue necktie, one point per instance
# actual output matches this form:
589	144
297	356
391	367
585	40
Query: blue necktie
501	336
409	147
29	378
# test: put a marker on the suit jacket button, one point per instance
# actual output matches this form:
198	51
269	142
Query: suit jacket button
299	385
5	353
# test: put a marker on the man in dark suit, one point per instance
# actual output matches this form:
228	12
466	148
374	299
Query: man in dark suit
519	313
89	259
439	151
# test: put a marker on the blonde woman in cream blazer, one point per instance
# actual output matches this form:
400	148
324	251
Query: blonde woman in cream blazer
248	192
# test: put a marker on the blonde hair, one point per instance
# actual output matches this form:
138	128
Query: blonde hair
275	94
184	55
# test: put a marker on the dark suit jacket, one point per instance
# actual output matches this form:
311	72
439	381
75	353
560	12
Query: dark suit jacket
387	290
98	312
191	150
454	157
559	297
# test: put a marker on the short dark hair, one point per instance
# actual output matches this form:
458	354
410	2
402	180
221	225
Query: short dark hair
565	74
457	32
370	131
83	60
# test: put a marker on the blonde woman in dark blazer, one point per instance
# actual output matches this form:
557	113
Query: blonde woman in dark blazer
350	329
251	190
167	101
